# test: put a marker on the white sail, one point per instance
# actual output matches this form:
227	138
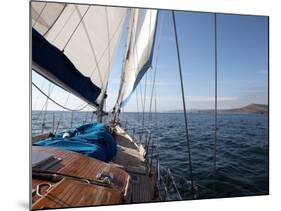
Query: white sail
139	51
88	35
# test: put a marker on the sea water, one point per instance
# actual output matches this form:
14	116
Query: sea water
241	149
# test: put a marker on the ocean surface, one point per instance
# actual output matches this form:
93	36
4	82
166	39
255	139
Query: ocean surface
241	151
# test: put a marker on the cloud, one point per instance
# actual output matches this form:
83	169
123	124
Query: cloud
210	98
197	99
254	91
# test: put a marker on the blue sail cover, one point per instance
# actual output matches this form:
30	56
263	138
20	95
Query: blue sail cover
61	68
93	140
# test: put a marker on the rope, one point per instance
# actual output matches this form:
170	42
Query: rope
64	107
183	101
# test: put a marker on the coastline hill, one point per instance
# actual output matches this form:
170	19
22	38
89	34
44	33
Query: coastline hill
252	108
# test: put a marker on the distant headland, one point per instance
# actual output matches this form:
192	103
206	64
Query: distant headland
251	108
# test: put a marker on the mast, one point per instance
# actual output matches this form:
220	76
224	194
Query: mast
138	54
116	110
100	113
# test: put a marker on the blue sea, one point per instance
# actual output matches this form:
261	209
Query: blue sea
241	151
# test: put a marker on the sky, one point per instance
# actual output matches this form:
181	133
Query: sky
242	56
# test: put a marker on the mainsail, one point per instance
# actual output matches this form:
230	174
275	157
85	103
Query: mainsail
139	49
85	37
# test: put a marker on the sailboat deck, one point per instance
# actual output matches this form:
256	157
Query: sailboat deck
130	168
82	194
130	157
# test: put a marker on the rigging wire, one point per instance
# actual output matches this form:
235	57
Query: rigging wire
126	50
132	47
145	83
64	107
34	104
44	105
45	110
141	95
183	101
156	62
109	61
144	99
66	101
86	117
136	94
216	97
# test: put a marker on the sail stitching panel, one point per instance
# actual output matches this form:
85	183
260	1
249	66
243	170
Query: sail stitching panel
54	22
145	86
45	15
156	62
81	21
52	59
133	47
126	57
39	15
108	46
143	69
65	23
91	47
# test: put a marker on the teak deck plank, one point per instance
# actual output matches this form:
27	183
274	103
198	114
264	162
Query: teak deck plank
130	158
71	193
79	165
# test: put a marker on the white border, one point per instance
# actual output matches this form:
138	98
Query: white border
15	103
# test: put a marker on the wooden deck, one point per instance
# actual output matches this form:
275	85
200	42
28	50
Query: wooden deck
78	165
132	181
130	157
71	193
